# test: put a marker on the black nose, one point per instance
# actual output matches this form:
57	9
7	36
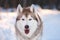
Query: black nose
26	26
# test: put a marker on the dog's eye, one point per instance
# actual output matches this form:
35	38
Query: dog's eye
23	19
30	19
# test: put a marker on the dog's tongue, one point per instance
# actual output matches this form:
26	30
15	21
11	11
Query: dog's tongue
26	31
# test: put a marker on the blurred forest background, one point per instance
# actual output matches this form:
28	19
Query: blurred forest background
45	4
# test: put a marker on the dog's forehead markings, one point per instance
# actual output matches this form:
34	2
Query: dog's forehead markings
27	12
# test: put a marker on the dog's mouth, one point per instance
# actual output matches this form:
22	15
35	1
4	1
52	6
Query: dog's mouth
26	31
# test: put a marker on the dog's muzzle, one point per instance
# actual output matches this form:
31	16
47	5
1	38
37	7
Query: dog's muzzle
26	29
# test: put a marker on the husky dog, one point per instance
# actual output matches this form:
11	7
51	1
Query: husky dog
28	24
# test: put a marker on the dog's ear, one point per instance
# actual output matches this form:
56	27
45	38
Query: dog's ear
32	8
19	8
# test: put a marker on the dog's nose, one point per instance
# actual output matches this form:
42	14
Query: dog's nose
26	26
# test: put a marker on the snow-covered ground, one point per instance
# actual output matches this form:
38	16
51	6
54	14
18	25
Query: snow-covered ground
7	22
51	25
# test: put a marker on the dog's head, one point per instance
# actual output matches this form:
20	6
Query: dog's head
27	20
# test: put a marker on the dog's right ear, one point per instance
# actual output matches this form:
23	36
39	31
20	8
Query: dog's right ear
19	8
32	8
